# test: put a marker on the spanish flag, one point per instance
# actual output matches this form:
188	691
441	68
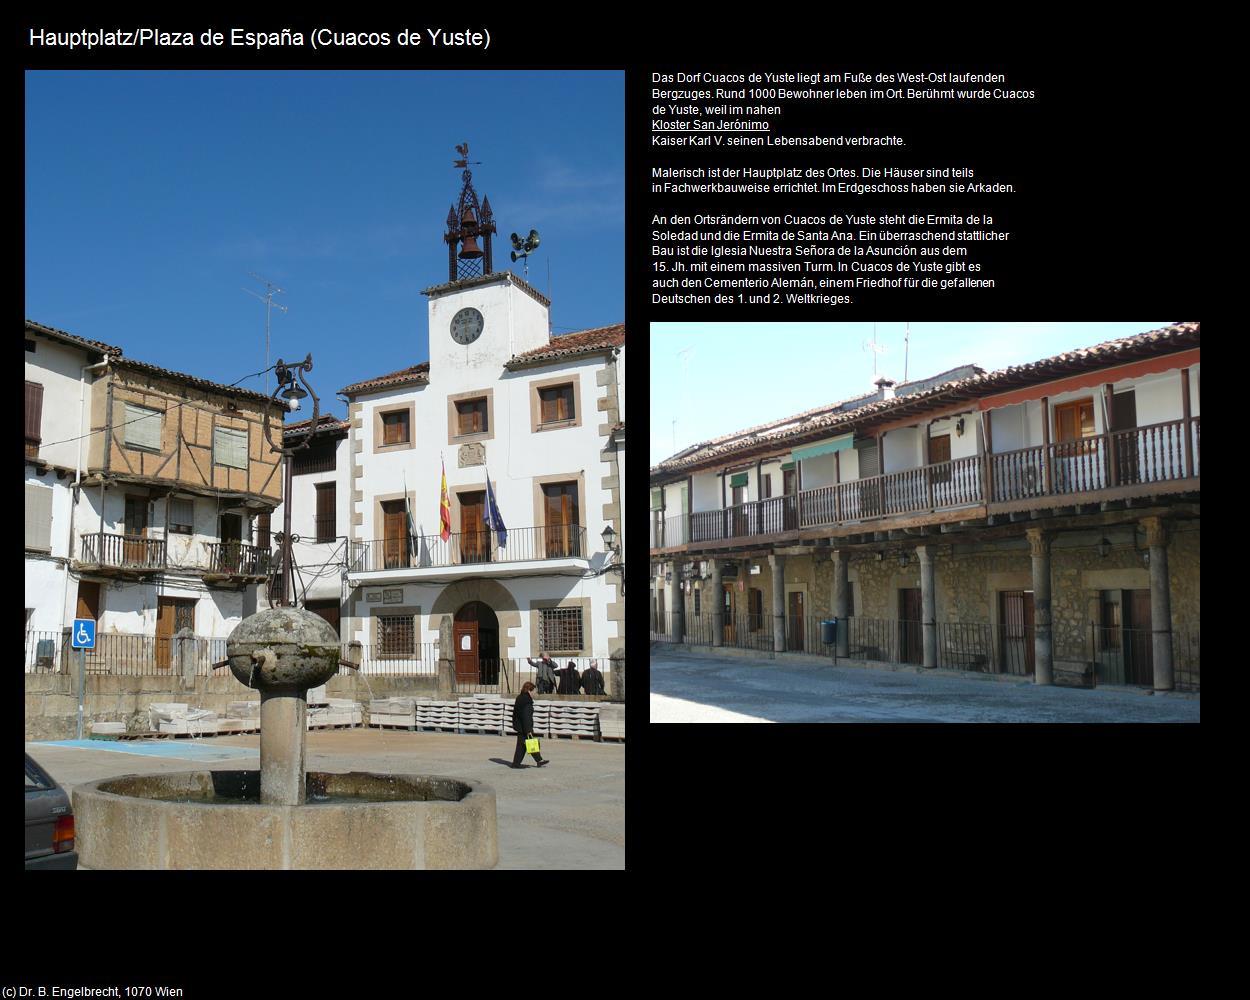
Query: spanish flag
444	508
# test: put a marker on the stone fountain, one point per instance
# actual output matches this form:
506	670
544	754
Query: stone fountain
282	816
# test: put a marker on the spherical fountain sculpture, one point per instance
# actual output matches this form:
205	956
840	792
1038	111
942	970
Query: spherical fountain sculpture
283	816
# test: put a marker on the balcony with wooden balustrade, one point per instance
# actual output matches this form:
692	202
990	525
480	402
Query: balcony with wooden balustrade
1140	462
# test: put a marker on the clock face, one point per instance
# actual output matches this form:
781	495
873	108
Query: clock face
466	326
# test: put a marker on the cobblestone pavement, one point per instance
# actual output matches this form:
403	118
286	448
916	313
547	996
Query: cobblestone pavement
568	815
695	688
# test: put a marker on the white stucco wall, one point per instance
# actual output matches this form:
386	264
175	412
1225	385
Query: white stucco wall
57	367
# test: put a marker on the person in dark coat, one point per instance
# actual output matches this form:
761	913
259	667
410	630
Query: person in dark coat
570	680
592	680
546	672
523	723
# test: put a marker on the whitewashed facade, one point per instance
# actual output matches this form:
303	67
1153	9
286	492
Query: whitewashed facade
543	417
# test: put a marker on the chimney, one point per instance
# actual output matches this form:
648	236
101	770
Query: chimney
885	388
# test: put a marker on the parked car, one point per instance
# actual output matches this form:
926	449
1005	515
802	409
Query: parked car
49	821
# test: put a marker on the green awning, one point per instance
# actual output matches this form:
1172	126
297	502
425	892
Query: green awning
824	448
738	479
787	467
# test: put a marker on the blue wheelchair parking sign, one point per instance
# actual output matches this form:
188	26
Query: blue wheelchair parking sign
83	636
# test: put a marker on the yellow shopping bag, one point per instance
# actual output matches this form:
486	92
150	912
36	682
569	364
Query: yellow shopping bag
531	745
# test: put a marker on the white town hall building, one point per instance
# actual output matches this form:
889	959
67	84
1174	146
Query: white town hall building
543	418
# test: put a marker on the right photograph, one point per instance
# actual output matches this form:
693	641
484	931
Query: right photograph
861	521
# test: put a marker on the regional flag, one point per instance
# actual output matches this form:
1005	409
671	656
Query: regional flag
493	520
444	509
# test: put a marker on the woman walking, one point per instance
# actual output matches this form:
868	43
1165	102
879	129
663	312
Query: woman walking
523	723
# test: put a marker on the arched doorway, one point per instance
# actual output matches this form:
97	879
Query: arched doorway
475	634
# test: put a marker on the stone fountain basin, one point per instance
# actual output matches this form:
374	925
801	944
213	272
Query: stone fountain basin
406	821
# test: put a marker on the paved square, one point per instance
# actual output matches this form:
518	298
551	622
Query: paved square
697	688
568	815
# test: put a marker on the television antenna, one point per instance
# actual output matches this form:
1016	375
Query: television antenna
270	304
876	348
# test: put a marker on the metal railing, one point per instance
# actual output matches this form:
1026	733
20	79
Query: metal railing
469	548
1126	656
410	660
124	551
1151	454
124	655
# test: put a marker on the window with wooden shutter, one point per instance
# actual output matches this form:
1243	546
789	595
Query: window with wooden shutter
34	417
262	531
561	516
181	515
395	427
230	447
38	518
142	427
556	403
325	512
471	414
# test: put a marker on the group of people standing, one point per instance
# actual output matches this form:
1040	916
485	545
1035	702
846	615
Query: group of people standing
551	677
566	680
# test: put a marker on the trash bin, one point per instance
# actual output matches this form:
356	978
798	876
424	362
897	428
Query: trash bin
829	631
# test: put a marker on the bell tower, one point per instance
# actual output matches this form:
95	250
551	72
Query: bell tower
466	224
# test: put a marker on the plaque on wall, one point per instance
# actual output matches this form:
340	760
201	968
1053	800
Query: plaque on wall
373	596
472	454
393	596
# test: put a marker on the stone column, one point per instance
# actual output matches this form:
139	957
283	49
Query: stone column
928	605
1039	549
1160	602
718	605
677	603
841	606
446	661
283	725
616	682
778	566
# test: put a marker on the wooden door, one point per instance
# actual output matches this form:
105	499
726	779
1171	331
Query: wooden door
940	452
395	534
328	609
136	529
230	555
910	614
560	512
790	489
1123	418
474	538
727	609
465	637
739	511
1139	640
794	621
88	600
172	615
1016	628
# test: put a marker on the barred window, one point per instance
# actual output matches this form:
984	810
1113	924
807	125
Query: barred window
230	447
560	630
143	427
396	636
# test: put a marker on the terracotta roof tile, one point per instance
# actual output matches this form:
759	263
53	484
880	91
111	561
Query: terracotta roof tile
571	344
416	375
95	345
229	390
326	423
1178	336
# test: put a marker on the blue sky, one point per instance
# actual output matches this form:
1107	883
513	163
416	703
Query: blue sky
150	196
709	379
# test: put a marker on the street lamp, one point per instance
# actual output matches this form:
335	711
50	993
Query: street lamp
291	393
610	546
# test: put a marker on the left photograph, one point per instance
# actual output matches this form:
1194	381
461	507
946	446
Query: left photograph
325	452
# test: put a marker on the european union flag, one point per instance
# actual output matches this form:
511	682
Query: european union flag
493	520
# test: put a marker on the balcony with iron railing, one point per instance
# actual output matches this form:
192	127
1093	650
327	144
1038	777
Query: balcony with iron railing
469	549
1130	461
